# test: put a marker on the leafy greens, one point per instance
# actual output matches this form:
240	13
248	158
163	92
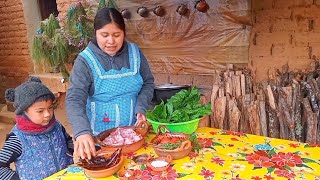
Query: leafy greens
182	107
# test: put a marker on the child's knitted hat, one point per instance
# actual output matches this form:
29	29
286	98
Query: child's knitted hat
26	94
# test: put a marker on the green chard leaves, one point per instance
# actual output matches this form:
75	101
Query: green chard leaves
182	107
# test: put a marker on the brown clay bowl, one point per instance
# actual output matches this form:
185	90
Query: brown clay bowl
178	153
150	163
182	151
105	172
141	159
141	129
126	175
160	135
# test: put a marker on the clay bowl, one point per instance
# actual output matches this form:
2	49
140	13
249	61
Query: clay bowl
126	175
182	151
141	159
151	163
178	153
163	131
105	172
141	129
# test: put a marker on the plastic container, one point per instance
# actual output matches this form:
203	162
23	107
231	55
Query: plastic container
185	127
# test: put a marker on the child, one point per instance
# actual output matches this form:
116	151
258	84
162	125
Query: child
38	144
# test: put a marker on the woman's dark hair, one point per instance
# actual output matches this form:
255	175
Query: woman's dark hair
109	15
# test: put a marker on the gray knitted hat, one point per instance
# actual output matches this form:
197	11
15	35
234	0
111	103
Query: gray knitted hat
26	94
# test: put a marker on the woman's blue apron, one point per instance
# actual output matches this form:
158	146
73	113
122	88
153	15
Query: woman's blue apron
115	93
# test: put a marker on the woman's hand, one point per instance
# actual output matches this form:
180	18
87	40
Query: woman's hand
84	146
140	118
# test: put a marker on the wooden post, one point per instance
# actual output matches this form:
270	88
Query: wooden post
219	112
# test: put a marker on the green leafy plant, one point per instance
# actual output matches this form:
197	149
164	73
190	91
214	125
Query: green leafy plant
196	147
49	45
54	46
182	107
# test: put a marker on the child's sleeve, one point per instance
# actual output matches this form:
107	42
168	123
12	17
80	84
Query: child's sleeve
11	150
69	140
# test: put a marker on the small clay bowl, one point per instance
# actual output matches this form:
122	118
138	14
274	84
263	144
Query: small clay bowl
178	153
126	175
105	172
165	160
141	159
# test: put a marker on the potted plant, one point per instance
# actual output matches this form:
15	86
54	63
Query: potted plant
181	113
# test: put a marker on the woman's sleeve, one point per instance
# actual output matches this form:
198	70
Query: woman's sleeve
81	82
146	92
10	152
69	140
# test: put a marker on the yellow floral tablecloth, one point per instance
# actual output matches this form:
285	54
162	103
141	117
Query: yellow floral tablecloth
227	155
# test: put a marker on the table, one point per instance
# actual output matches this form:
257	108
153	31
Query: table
228	155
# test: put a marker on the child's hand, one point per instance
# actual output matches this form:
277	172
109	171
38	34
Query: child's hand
84	146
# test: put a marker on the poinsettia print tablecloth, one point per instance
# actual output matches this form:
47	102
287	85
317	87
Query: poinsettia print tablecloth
227	155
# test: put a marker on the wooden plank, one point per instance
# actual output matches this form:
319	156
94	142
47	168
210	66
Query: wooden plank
219	112
271	98
214	94
311	136
238	73
296	108
263	118
234	115
229	67
254	118
243	84
237	86
274	125
221	92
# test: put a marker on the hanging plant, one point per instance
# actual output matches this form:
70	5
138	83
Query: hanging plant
143	11
126	13
202	6
159	11
182	10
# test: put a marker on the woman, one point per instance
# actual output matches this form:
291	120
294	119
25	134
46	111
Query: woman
111	84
